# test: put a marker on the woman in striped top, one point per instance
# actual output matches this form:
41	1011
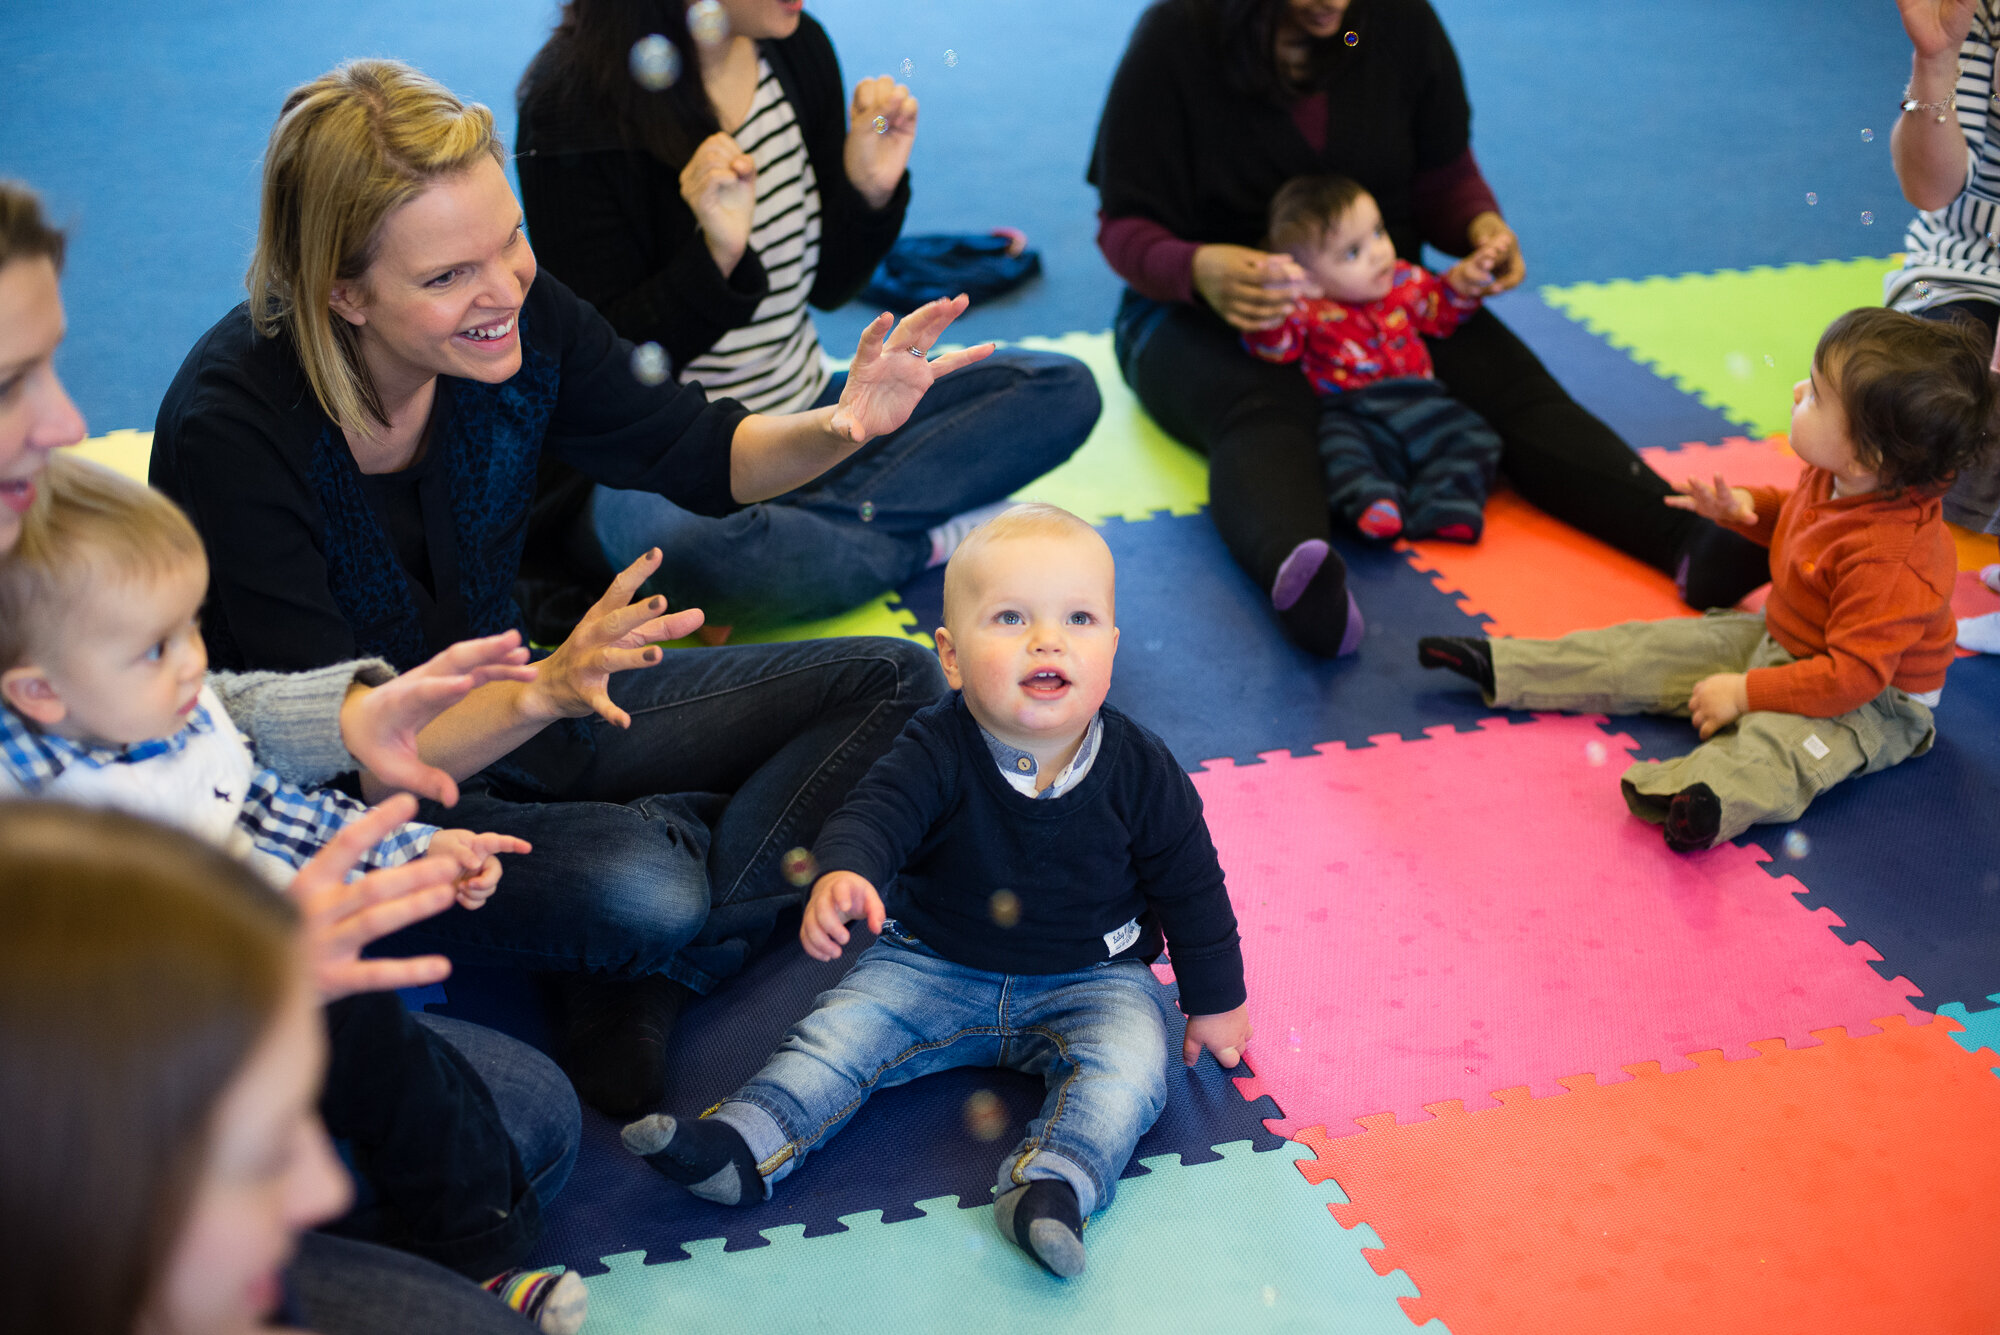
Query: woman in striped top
1946	147
703	217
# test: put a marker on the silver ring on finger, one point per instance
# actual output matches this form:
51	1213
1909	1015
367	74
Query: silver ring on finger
917	352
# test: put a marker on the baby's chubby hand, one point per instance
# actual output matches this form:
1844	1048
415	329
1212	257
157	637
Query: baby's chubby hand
1226	1035
838	898
1473	275
1719	701
1720	502
478	868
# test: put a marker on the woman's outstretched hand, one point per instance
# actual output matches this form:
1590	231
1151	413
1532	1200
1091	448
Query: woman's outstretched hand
379	725
1251	289
1489	231
615	636
1937	27
876	159
886	380
338	916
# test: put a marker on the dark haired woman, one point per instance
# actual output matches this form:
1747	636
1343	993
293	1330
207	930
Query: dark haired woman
704	217
1215	105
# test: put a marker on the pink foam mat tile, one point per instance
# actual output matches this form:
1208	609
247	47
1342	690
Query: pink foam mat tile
1470	912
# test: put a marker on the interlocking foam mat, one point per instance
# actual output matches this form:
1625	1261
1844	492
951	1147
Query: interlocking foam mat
1835	1188
1389	969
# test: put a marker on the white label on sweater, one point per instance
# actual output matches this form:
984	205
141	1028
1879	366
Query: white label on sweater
1813	744
1119	938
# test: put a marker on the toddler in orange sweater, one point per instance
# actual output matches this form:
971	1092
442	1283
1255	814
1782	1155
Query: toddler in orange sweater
1839	673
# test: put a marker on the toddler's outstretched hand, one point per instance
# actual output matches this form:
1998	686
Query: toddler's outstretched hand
1226	1035
1473	275
478	868
1720	502
1719	701
838	898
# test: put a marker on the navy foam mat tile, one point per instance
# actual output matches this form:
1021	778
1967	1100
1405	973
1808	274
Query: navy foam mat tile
1202	661
906	1145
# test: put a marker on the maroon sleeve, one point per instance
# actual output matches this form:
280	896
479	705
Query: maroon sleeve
1446	199
1153	260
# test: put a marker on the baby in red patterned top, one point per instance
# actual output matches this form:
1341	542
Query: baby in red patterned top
1400	455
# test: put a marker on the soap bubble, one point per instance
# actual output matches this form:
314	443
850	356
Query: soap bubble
1867	136
708	21
1004	907
1293	1040
951	58
1737	364
1797	845
1270	1292
654	62
801	868
867	512
1923	289
649	364
1811	198
881	124
1352	38
908	67
1595	754
1867	218
985	1115
1768	361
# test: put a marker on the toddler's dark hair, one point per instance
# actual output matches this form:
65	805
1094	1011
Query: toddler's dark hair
1306	206
1919	397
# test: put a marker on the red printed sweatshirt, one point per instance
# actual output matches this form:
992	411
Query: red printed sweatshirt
1860	593
1347	347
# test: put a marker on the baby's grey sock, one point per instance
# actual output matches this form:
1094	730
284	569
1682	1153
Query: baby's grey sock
1043	1220
707	1157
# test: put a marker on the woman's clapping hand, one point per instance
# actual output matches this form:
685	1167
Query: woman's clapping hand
719	184
1937	28
876	159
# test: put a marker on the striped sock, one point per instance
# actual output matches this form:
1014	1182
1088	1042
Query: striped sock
554	1300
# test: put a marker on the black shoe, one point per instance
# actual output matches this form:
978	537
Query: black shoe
1043	1220
1693	818
614	1039
1470	656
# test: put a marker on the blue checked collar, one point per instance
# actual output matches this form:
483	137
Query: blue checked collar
1019	766
35	759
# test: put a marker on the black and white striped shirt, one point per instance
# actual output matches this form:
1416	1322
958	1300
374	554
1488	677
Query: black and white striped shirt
773	363
1953	253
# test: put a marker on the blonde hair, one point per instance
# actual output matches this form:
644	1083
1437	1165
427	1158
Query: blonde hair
88	526
1030	519
348	149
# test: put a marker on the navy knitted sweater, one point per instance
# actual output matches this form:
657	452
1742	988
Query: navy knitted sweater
1100	872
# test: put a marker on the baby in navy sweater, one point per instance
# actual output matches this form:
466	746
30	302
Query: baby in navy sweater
1021	850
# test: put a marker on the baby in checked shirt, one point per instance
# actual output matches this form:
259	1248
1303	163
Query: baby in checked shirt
1400	456
103	678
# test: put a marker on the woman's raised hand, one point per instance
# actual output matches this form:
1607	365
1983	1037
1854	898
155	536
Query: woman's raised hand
1937	27
886	380
379	725
720	184
616	635
1251	289
875	160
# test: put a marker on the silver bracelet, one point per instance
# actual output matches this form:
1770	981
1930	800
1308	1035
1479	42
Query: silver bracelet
1943	109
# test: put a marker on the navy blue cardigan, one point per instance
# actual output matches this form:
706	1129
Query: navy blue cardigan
302	573
938	831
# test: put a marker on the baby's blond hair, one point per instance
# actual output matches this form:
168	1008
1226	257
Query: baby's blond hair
88	526
1027	520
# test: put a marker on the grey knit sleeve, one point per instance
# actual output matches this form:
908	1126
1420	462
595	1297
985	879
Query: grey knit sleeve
292	719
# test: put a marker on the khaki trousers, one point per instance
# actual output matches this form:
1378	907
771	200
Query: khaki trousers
1766	767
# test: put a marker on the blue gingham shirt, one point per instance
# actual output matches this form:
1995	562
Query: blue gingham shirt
1019	768
280	820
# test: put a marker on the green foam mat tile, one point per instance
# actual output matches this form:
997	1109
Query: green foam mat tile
1737	339
1242	1244
875	617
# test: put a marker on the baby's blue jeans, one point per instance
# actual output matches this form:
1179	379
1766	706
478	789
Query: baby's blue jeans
1095	1036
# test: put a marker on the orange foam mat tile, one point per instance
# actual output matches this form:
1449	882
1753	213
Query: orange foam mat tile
1847	1187
1534	576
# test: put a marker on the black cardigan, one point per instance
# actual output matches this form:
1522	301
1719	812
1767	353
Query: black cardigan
609	220
1175	145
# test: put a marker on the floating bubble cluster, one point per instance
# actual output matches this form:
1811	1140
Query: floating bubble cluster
1923	289
649	364
1595	754
708	21
654	62
1867	136
951	58
800	867
1867	218
1797	845
881	124
1811	198
908	67
1004	907
867	512
985	1115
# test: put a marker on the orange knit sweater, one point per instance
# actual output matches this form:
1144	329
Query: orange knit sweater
1860	593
